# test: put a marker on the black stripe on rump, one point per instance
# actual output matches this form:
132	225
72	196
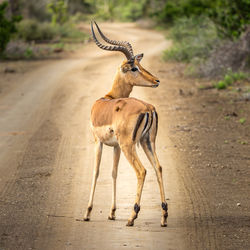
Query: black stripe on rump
156	125
150	125
138	123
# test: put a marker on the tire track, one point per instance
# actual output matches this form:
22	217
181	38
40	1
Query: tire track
205	231
27	191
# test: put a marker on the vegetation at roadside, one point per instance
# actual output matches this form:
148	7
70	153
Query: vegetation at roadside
32	30
193	39
46	21
231	78
213	37
7	26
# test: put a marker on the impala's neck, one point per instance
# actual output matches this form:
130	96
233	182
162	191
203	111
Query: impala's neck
120	88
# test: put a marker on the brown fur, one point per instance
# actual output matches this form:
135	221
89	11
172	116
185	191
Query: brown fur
106	111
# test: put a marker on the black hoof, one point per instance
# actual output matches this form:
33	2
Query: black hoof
130	224
86	219
111	217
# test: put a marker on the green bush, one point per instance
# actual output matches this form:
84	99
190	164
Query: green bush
131	11
32	30
193	38
7	27
230	17
58	10
230	78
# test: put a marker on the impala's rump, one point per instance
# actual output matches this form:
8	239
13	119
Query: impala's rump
118	116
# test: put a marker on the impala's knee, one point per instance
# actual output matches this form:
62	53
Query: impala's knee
142	174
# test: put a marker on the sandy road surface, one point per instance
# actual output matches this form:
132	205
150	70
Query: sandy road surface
46	161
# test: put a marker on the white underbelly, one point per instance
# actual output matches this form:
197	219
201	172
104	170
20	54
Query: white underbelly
106	135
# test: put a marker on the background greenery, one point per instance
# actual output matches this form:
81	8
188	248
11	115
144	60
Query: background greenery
200	29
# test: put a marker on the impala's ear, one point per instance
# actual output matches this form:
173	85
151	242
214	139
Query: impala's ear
139	57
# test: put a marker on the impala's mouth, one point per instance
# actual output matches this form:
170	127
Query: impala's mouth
155	85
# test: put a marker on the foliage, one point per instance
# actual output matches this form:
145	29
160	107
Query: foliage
58	10
32	30
230	78
7	27
124	10
131	11
231	17
193	39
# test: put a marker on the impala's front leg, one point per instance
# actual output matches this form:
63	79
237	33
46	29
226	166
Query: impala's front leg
98	155
131	155
117	153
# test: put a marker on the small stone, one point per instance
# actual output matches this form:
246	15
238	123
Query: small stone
238	204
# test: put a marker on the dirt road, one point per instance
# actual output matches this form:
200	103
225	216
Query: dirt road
47	158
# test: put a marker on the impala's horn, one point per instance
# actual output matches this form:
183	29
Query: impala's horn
117	47
121	43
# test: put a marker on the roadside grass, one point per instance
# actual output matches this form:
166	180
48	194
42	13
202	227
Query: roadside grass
193	39
230	78
18	50
32	30
38	40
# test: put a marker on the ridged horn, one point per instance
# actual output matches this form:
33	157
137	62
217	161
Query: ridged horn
120	48
122	43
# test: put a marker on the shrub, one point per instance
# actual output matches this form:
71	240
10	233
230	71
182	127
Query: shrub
7	27
234	55
230	78
20	50
193	38
231	17
131	11
32	30
58	10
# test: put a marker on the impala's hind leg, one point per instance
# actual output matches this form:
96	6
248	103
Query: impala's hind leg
98	155
131	155
117	152
148	145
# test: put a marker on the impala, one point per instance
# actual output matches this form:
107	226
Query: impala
122	122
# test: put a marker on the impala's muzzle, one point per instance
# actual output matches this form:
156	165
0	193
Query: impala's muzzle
156	84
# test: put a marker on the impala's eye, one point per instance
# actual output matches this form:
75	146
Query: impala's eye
134	69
